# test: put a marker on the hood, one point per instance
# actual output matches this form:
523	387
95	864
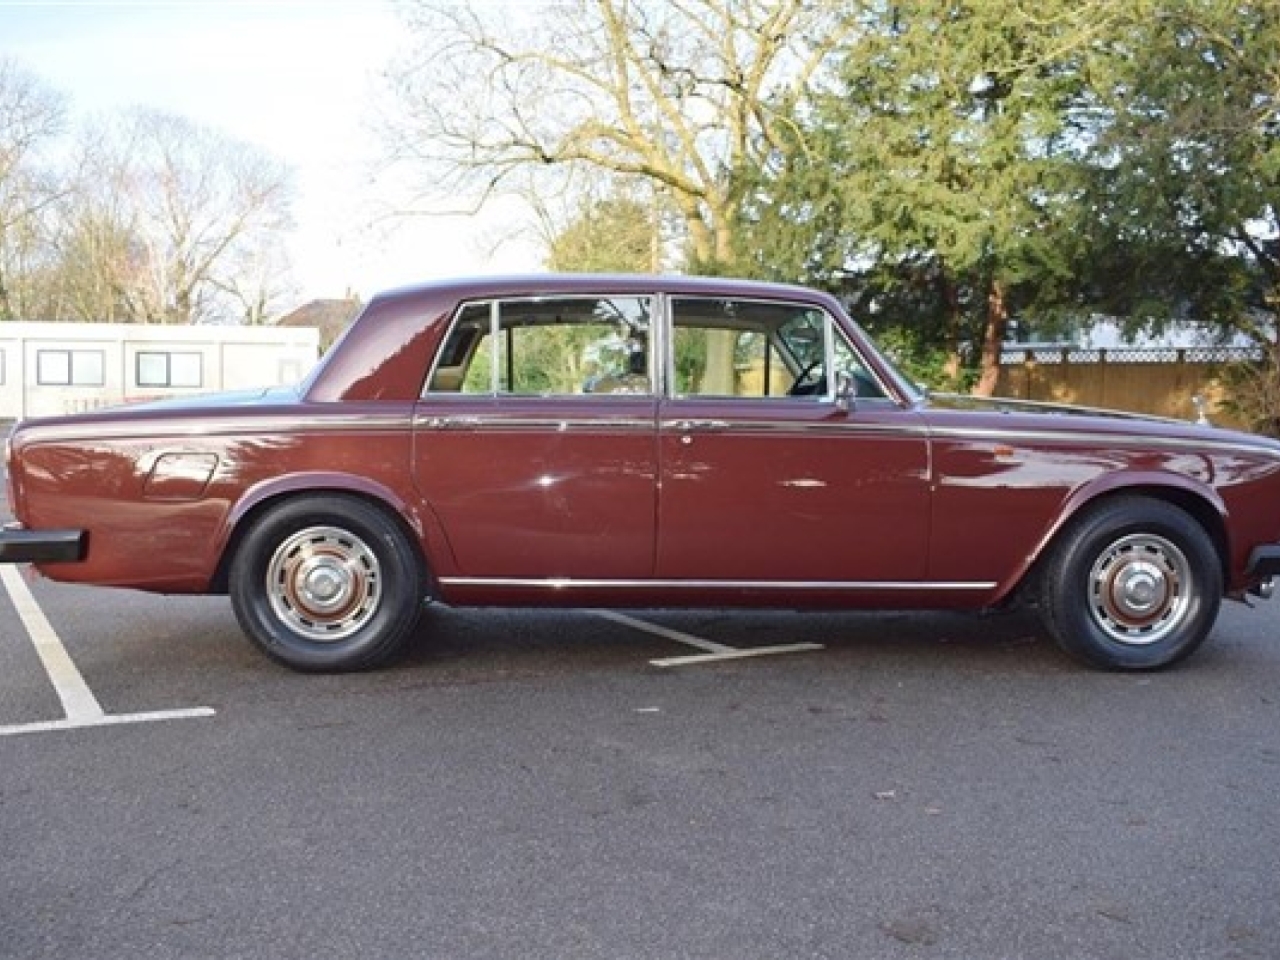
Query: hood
1086	424
957	401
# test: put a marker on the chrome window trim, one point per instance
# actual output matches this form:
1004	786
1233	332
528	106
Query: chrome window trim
495	365
670	323
495	324
661	340
452	325
829	358
662	346
831	329
868	368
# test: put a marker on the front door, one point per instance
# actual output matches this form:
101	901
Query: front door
764	478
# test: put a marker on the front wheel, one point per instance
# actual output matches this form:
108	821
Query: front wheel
327	583
1133	584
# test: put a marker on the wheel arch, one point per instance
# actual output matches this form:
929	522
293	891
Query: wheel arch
264	498
1201	503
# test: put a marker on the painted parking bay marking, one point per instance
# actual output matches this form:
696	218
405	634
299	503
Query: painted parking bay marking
78	702
712	652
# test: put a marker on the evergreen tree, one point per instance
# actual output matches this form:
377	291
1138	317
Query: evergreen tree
938	175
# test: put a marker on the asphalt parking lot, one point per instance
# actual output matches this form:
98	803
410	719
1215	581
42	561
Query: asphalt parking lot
529	784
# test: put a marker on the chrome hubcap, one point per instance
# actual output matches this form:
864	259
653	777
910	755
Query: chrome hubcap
324	583
1138	589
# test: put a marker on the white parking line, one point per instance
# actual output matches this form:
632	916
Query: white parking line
78	702
736	654
715	652
685	638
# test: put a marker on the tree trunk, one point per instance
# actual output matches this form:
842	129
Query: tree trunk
951	296
724	232
992	340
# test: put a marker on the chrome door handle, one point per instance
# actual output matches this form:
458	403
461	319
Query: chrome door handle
451	423
693	426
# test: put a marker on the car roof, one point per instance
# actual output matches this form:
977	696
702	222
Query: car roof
513	285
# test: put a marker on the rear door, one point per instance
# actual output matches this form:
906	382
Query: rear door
535	441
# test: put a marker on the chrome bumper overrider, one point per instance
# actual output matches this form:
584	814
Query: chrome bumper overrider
1264	563
18	545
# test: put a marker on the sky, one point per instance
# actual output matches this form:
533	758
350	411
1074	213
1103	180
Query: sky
301	79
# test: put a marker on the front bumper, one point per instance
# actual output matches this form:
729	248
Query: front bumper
18	545
1264	561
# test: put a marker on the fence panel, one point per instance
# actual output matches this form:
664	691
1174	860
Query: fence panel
1155	381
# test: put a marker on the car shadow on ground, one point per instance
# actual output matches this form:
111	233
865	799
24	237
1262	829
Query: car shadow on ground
554	638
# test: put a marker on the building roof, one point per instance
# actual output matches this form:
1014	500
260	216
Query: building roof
330	317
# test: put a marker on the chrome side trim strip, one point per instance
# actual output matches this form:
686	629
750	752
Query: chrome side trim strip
570	583
853	426
153	430
425	421
1122	441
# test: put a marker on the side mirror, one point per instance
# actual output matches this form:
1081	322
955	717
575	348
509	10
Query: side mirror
846	391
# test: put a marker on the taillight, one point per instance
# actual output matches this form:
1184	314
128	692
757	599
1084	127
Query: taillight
10	493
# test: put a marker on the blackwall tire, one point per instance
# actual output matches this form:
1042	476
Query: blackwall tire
1132	584
327	583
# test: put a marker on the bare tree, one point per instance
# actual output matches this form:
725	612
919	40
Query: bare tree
256	280
678	93
99	263
174	223
30	115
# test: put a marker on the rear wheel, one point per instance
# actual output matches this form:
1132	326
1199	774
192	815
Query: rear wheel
1133	584
327	582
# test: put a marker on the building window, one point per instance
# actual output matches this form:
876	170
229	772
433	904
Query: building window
70	368
290	372
156	369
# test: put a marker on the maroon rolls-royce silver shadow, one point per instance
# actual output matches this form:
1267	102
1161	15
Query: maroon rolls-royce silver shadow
641	441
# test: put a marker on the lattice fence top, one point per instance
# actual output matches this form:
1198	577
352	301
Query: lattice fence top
1052	355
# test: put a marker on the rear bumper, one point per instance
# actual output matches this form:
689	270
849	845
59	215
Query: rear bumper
1264	561
18	545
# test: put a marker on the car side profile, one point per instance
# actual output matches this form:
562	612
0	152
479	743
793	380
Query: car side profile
642	441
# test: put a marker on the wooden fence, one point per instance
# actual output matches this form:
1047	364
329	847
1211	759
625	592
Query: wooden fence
1155	381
